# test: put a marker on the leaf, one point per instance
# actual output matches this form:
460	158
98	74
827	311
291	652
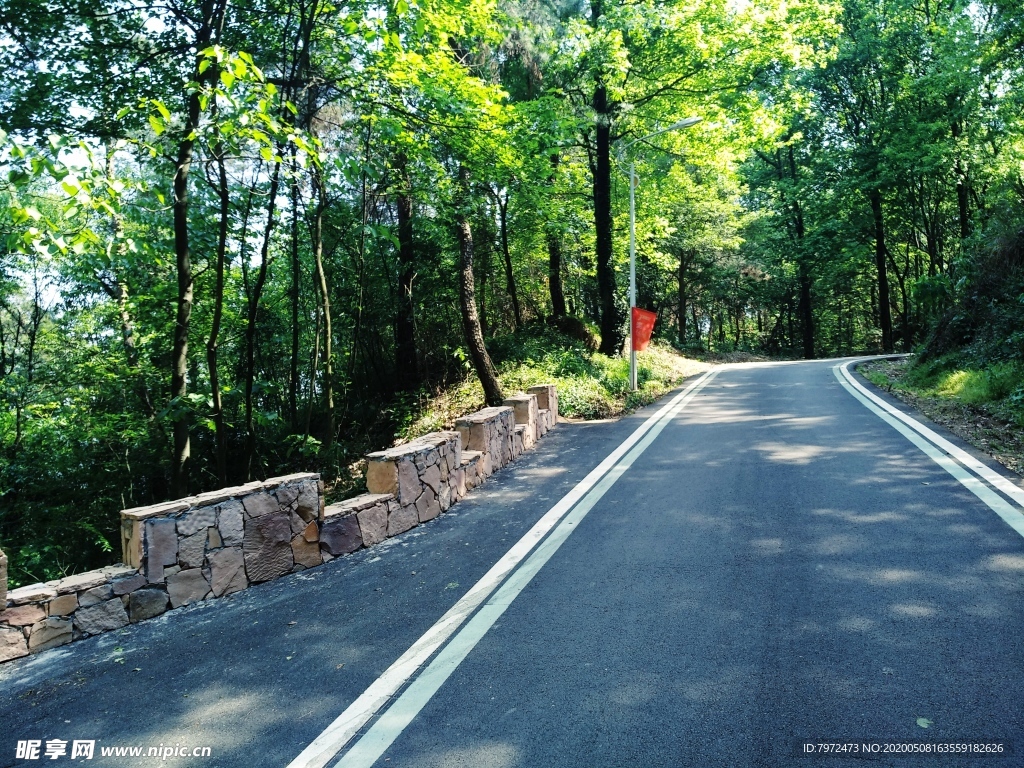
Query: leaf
162	110
227	78
156	124
924	722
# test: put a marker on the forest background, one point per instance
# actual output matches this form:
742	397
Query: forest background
241	240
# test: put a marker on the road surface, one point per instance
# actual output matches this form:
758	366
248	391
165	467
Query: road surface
760	569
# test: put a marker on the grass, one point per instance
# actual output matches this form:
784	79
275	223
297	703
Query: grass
590	385
997	386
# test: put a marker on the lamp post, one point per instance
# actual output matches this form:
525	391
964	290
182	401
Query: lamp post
632	235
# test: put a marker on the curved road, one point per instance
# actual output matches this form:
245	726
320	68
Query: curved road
768	570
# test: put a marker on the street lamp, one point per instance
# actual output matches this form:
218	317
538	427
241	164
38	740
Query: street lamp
686	123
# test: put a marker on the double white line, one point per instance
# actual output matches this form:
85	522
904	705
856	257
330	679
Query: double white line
419	671
975	476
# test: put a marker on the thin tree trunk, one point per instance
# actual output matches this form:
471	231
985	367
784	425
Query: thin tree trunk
293	376
510	278
611	323
467	297
250	327
325	301
180	462
406	359
555	258
884	313
218	311
681	287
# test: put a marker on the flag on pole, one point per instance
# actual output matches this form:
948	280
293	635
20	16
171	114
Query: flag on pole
643	326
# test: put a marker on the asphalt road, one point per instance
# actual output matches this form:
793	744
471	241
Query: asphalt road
778	568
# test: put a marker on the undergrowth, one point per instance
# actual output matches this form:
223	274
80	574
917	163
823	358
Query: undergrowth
590	385
998	386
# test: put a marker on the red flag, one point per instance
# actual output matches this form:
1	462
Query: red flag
643	326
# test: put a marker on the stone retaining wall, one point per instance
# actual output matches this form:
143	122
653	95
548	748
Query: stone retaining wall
216	543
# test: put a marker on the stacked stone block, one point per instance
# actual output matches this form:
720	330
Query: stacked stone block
178	553
547	406
491	432
216	543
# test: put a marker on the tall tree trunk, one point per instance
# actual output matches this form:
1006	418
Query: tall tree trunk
180	461
681	288
293	374
406	359
325	301
805	311
510	278
884	310
555	258
218	312
611	323
467	298
250	326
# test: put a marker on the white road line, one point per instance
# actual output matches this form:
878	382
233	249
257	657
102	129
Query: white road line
334	738
916	433
983	471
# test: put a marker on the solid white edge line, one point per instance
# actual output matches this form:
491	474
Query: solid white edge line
334	738
982	470
370	746
1009	514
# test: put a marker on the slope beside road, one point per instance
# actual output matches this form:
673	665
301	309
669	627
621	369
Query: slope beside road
767	565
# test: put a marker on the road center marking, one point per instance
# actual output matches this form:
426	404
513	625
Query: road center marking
565	514
942	452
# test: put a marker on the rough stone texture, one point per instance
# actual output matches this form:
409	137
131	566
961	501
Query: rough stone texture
547	398
49	633
458	485
196	519
287	495
23	615
213	539
340	535
192	549
230	523
311	532
298	525
65	605
489	431
543	421
95	595
401	519
160	547
409	487
427	507
431	477
373	524
81	581
259	504
227	571
101	617
128	584
381	476
188	586
519	441
12	644
525	409
267	547
33	593
309	505
306	553
3	580
147	603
